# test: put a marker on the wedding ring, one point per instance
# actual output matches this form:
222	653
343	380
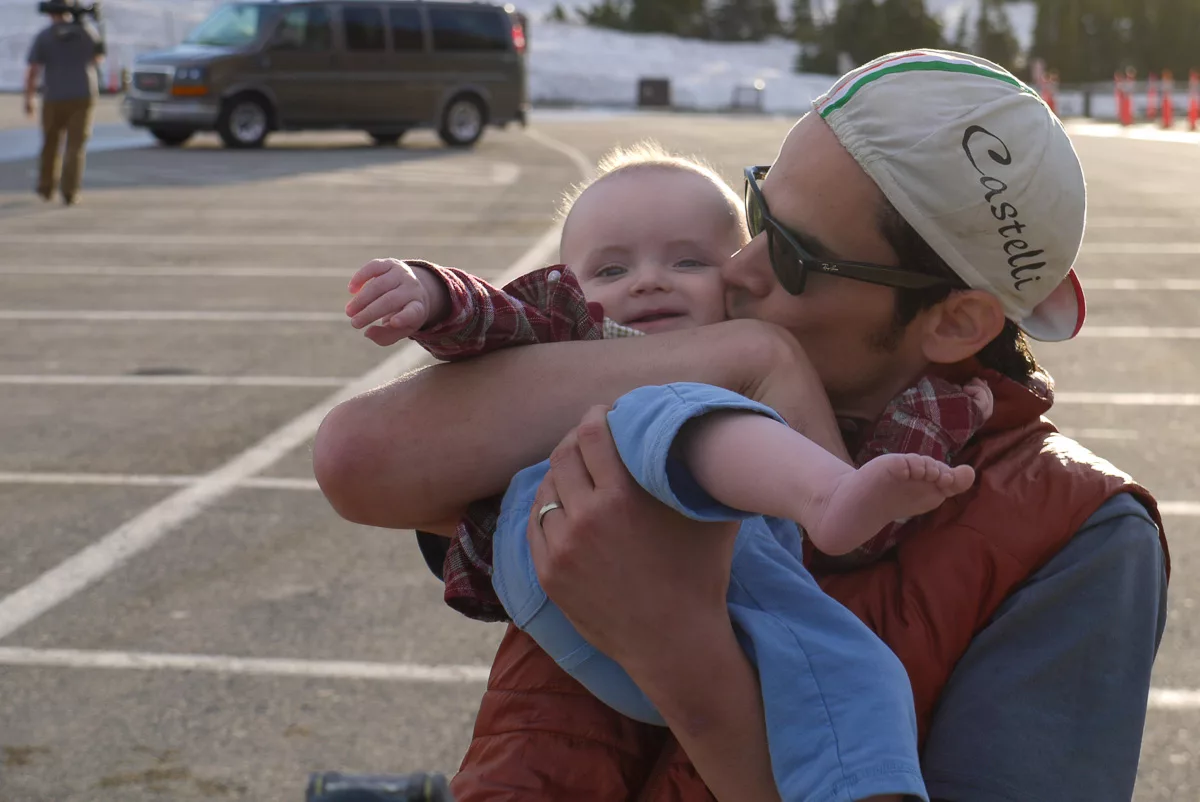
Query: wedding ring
553	505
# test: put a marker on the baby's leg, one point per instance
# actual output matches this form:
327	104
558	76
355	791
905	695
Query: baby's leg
857	504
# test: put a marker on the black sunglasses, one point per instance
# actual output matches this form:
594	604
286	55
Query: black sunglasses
792	263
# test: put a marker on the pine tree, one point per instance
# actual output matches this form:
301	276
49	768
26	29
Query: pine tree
745	20
804	28
679	17
607	14
994	37
905	24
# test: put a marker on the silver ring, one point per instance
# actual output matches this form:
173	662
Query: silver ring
553	505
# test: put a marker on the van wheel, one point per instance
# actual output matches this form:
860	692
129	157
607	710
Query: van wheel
171	137
463	121
386	138
245	122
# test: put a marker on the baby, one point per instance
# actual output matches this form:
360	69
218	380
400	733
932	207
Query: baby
645	240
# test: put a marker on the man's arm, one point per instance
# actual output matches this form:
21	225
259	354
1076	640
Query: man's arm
415	452
1075	645
33	74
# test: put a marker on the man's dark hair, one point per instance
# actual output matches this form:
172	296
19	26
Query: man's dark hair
1007	354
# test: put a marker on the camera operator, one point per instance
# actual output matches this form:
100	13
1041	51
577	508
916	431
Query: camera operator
64	57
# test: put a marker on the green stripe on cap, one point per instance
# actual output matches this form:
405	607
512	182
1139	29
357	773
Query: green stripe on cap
921	66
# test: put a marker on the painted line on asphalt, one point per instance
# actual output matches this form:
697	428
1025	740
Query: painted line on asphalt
1159	699
1142	248
1141	332
145	529
45	239
1100	434
1177	508
1129	399
261	666
146	480
170	316
173	272
1174	698
48	380
1141	285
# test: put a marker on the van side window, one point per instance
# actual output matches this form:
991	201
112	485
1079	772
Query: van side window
364	27
406	28
468	29
304	28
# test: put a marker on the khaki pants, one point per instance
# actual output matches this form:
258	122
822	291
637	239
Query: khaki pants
73	118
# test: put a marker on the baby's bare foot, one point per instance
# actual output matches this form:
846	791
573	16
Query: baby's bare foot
887	488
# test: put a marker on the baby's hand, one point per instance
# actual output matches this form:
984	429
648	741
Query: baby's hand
396	296
981	396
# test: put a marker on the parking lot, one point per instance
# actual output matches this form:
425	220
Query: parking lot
181	614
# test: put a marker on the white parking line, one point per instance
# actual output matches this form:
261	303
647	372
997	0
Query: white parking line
174	272
1141	285
1140	332
147	480
1185	509
263	666
258	240
1100	434
1129	399
173	381
144	530
170	316
1160	698
1174	698
1141	248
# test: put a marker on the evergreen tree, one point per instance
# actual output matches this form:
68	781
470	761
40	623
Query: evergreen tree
994	38
745	20
904	25
607	14
679	17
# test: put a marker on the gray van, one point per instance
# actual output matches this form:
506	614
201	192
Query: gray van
381	66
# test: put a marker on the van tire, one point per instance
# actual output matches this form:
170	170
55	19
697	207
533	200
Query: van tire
386	138
244	122
463	121
171	137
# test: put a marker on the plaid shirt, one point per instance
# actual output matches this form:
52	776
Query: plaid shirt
933	418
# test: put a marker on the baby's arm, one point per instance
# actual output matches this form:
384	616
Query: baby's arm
473	317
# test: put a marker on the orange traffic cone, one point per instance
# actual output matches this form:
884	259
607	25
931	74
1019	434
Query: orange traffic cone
1168	106
1193	100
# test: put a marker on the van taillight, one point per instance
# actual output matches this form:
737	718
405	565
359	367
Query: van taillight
518	34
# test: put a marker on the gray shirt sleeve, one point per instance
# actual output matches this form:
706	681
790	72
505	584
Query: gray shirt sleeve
37	50
1049	702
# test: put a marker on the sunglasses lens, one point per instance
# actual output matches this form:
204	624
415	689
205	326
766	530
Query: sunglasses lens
754	212
787	264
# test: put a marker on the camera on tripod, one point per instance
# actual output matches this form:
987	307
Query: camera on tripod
76	12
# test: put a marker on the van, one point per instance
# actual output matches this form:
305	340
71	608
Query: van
380	66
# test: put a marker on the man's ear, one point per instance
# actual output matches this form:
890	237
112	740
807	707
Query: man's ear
960	326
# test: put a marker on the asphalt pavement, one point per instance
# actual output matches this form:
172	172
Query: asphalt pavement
183	617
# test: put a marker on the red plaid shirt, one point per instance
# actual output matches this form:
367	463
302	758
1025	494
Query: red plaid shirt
934	418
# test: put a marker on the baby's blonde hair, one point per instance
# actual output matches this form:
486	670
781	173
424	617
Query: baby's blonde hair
649	154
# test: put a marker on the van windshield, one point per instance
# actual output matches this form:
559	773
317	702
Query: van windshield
234	25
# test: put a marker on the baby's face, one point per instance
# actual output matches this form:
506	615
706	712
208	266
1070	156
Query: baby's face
647	244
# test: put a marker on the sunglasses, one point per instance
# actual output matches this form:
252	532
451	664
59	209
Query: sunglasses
792	263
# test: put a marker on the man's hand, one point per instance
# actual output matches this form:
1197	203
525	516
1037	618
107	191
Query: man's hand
396	296
647	587
629	572
29	107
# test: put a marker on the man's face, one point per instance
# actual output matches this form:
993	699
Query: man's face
817	190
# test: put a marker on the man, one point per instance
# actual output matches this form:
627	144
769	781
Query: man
64	56
1028	615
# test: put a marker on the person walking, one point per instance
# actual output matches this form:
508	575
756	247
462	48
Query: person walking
63	57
